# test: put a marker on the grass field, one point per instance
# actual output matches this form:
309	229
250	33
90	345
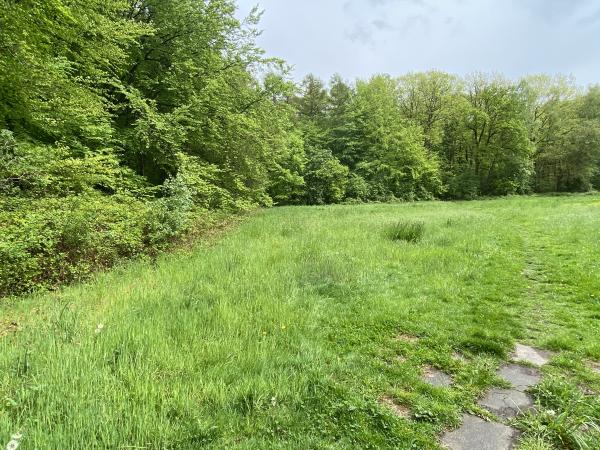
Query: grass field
306	328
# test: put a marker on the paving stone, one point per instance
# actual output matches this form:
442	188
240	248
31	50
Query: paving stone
522	378
531	355
506	403
477	434
436	377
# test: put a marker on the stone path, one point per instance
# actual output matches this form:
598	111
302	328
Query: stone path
476	433
521	377
531	355
506	403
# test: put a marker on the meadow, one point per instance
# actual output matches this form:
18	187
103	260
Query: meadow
310	327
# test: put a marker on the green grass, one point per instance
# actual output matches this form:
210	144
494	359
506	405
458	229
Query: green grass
406	231
291	329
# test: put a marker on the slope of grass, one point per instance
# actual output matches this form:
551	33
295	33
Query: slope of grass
299	328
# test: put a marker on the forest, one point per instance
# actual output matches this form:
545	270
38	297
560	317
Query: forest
125	122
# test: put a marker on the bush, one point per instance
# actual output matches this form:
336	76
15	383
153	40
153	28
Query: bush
406	231
50	241
358	188
464	185
64	215
68	212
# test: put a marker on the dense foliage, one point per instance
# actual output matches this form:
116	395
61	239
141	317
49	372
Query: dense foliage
432	134
123	121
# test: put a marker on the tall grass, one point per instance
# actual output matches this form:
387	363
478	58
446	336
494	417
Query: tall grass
285	333
408	231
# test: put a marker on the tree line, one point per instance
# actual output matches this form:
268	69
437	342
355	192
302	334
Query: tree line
435	135
124	122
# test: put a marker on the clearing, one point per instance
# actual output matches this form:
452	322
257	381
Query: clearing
309	328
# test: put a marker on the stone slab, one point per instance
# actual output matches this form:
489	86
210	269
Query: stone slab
436	377
524	353
477	434
506	403
521	378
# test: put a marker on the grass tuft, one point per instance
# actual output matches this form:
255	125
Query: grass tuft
481	342
407	231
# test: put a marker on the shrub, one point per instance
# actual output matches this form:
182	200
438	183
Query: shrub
406	231
49	241
358	188
67	212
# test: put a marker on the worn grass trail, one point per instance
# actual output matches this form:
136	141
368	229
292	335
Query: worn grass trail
305	326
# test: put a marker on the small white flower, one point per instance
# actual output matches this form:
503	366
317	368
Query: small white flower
99	328
273	401
551	412
12	445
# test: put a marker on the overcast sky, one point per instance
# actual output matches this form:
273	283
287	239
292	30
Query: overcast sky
357	38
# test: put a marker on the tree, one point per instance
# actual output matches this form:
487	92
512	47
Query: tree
590	113
427	100
325	177
386	149
191	88
58	61
498	149
339	124
313	100
563	127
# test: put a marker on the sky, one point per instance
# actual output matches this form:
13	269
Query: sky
358	38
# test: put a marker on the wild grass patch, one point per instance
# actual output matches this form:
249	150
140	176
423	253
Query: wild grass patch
566	417
297	341
406	231
483	342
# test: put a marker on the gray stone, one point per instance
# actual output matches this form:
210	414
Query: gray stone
506	403
436	377
531	355
477	434
522	378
